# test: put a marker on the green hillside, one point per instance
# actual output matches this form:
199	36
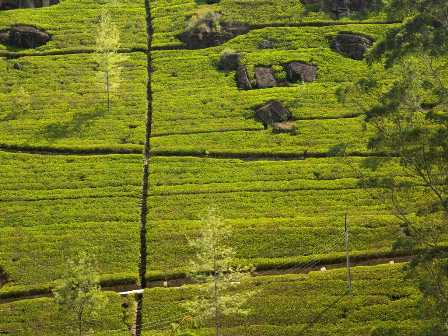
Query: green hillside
284	305
71	171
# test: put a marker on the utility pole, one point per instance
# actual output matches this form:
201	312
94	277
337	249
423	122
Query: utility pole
347	255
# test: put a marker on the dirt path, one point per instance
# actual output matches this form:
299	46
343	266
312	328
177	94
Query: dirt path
181	281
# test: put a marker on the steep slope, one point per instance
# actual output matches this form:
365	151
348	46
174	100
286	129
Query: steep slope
71	171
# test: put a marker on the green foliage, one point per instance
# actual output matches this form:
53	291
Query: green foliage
128	311
430	272
284	304
214	267
409	116
280	73
281	212
423	31
107	56
21	102
79	293
205	20
279	197
66	114
385	331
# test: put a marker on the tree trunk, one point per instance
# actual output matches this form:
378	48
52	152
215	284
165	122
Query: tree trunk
217	311
216	292
80	322
108	91
146	172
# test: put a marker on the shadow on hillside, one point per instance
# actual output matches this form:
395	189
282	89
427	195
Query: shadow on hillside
72	127
337	9
3	277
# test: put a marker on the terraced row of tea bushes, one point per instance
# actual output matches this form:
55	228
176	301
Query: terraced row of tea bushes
283	11
191	88
284	305
294	38
318	137
72	23
59	101
380	293
284	226
42	317
56	205
191	96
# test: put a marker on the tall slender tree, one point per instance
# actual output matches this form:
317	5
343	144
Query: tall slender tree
146	170
107	56
214	267
409	116
79	293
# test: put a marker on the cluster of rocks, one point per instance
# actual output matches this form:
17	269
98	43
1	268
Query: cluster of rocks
265	77
351	45
16	4
274	114
24	37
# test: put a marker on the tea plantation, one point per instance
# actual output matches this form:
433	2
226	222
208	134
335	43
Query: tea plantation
284	305
71	170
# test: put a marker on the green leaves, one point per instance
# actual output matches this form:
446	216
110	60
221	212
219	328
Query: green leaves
107	56
424	31
79	292
214	267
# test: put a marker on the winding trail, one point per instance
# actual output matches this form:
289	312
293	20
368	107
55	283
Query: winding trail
181	281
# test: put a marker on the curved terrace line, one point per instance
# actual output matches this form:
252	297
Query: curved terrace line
179	46
179	280
195	154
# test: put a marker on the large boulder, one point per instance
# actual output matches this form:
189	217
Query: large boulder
209	31
24	37
301	72
351	45
265	78
242	78
15	4
272	112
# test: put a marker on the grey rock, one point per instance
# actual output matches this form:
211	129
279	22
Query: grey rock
24	37
272	112
299	71
242	78
351	45
265	77
15	4
18	66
